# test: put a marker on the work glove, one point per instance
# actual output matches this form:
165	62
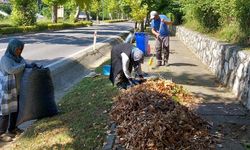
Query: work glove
32	65
141	79
132	82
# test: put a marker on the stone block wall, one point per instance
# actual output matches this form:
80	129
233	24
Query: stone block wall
228	62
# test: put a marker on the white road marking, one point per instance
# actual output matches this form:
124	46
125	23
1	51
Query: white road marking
75	54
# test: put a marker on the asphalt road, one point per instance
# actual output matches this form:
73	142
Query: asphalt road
48	47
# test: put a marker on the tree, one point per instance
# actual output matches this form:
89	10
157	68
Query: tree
96	7
54	4
24	12
138	11
112	8
83	4
70	9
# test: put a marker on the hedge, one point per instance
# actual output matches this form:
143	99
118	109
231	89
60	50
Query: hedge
116	20
5	29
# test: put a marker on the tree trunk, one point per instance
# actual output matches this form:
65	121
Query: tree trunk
110	15
135	25
102	15
77	14
87	14
97	17
54	13
142	26
145	23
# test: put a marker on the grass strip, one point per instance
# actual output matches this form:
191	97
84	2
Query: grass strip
81	123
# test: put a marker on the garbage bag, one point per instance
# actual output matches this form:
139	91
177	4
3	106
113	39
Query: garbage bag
36	98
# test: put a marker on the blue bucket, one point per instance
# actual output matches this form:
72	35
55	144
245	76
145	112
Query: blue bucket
141	39
106	70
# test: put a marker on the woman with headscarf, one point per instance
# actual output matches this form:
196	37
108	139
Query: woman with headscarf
12	66
125	57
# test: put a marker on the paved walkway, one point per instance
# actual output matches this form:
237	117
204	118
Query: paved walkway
231	121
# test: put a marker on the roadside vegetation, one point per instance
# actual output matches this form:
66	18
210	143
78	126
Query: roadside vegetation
227	20
82	121
41	26
116	20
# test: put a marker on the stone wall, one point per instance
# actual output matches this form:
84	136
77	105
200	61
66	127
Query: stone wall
229	64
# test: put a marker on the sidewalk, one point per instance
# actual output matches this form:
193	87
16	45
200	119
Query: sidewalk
231	121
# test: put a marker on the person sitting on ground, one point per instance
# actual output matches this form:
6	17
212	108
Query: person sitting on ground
125	57
12	65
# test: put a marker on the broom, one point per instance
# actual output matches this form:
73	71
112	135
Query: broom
151	59
151	62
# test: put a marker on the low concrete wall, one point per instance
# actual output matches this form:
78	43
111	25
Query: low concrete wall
226	61
69	71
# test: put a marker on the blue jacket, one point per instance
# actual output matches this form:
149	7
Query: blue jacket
159	26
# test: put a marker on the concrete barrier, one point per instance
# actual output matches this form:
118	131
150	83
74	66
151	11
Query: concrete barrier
69	71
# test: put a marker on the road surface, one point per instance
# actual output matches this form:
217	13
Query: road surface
48	47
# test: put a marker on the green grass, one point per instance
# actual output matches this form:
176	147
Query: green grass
81	123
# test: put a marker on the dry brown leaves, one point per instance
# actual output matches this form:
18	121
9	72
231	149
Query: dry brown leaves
149	116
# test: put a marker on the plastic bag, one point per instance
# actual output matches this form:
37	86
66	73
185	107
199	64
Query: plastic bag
36	95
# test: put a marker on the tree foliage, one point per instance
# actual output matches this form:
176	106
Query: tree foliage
138	10
84	4
54	4
231	17
24	12
96	6
5	7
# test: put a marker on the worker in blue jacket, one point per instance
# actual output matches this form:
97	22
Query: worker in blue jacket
159	25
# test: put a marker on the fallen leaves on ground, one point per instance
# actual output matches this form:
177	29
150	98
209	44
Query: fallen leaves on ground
153	116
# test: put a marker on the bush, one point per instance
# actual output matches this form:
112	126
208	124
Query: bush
116	20
5	25
56	26
207	16
243	14
10	30
24	12
230	19
46	11
6	7
41	27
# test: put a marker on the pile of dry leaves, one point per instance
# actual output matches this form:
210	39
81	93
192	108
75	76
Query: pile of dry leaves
149	116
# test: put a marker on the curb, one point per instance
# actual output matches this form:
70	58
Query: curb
110	138
69	71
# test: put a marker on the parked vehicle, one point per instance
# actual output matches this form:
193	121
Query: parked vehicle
83	16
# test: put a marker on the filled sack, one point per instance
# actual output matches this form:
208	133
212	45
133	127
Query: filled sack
36	98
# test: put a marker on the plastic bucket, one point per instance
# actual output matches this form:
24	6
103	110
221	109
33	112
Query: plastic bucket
141	39
106	70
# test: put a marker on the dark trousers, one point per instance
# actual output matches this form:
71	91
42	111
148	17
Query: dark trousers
162	48
8	122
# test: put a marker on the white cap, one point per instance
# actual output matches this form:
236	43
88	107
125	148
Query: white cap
137	54
153	14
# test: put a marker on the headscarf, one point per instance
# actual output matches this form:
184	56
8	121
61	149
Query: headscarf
11	50
137	54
